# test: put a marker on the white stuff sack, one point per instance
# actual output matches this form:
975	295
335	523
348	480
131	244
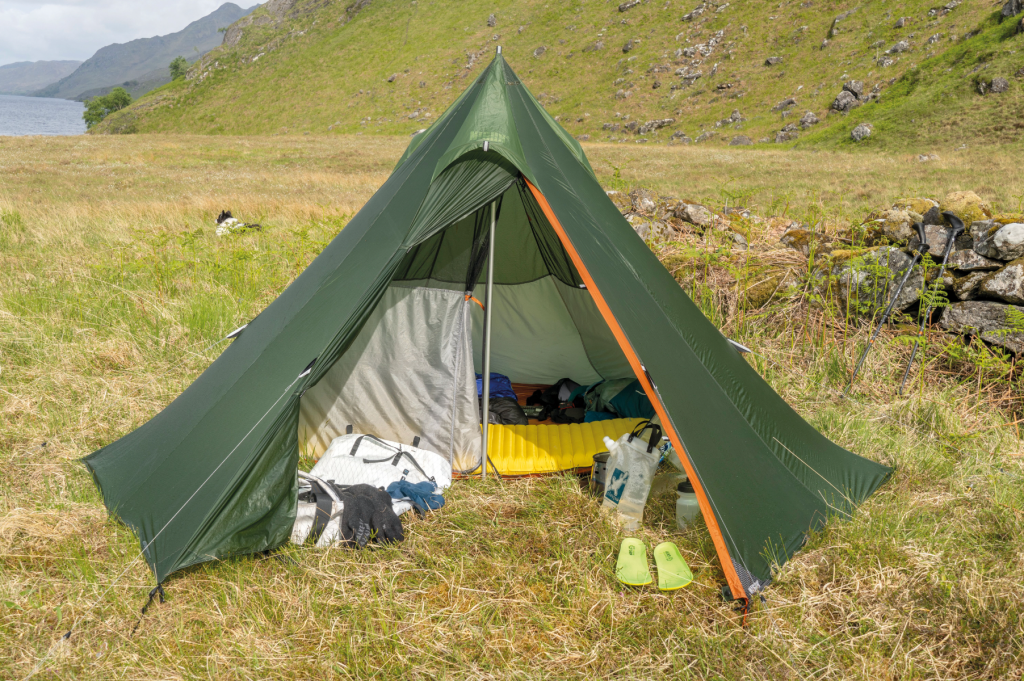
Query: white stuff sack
367	460
305	514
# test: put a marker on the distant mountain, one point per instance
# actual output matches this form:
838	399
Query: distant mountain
25	77
141	65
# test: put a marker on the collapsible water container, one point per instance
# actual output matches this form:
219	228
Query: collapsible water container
687	508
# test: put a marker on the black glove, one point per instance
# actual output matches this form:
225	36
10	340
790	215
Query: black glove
356	514
382	521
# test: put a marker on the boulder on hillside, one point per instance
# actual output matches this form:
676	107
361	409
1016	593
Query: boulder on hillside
1006	284
492	21
628	5
967	206
808	119
657	124
784	104
594	47
901	46
740	140
539	51
854	87
1004	243
866	282
996	323
845	101
1012	8
628	46
787	134
999	85
862	132
772	61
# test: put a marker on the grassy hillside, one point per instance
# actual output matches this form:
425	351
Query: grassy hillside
386	66
115	294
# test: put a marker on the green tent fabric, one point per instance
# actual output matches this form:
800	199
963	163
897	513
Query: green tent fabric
214	474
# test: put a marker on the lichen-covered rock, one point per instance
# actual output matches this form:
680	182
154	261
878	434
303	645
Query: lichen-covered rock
996	323
694	213
966	287
1004	243
967	206
937	236
862	132
798	240
650	229
982	229
968	260
1006	284
1007	218
643	201
918	205
865	283
808	119
897	225
933	216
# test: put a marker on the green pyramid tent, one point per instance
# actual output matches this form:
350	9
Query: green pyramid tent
381	331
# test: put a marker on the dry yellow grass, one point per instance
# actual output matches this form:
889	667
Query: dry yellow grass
114	292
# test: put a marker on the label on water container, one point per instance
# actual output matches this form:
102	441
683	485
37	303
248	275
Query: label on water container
616	484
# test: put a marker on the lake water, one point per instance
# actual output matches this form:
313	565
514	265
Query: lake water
40	116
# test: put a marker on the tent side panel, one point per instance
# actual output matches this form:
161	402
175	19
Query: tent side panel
709	516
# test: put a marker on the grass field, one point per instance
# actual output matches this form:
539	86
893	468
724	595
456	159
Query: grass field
114	292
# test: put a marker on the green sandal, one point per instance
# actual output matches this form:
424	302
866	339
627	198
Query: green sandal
632	567
673	572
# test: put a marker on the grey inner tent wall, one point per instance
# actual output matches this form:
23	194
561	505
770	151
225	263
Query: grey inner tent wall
406	375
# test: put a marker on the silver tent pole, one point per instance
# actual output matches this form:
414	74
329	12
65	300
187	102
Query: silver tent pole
488	294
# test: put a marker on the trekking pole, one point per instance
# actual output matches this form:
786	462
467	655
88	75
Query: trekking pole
922	249
958	228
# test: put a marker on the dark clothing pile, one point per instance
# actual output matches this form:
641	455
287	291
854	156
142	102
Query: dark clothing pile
503	405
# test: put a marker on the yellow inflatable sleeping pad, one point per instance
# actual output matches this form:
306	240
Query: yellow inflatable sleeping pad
533	450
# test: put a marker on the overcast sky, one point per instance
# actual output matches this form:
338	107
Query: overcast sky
33	30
